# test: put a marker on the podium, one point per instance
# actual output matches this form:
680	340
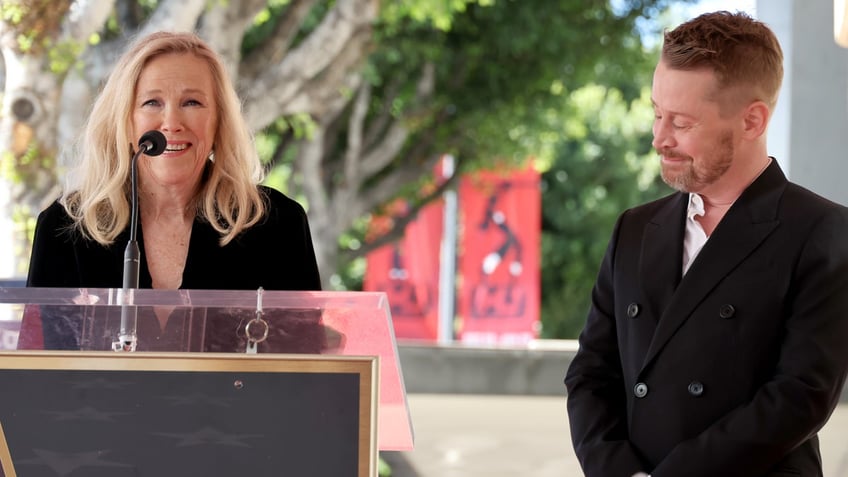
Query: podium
260	383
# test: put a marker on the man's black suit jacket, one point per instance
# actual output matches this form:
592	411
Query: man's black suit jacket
730	370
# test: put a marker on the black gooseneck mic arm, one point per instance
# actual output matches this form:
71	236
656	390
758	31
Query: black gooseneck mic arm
151	143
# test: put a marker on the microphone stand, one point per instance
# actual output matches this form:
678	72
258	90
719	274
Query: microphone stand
127	337
151	143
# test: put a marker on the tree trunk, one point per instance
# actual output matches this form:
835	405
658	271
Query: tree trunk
28	141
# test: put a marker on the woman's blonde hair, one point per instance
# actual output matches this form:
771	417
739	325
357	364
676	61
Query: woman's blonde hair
97	195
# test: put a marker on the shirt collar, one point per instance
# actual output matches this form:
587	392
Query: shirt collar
696	206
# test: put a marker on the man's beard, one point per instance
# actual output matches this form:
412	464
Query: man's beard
693	178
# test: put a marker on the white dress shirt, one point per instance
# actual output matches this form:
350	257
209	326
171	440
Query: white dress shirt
694	238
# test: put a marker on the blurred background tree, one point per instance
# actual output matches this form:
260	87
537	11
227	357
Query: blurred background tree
604	166
354	101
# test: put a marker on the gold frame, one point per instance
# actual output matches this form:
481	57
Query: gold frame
366	367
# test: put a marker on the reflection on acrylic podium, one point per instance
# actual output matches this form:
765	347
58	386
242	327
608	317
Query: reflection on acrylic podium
220	383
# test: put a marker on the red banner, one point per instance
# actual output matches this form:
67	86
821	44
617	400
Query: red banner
408	271
499	257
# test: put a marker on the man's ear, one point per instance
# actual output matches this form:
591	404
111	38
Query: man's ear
755	119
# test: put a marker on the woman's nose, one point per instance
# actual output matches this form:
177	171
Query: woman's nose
171	119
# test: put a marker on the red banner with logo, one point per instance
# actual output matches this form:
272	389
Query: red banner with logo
408	271
499	266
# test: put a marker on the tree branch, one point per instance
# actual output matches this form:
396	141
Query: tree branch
389	185
85	18
174	15
128	14
309	157
274	48
223	27
425	140
354	136
379	124
341	78
381	156
273	90
279	151
400	223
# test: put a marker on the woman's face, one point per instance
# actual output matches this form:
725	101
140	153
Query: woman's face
175	94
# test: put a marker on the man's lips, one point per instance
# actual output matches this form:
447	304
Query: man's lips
673	158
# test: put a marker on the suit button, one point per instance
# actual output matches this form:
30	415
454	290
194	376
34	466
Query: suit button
726	311
632	310
696	388
640	390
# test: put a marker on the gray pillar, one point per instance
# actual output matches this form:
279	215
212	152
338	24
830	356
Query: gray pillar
809	131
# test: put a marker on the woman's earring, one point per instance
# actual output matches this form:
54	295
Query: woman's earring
211	156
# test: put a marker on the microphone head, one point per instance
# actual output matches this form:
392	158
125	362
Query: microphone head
153	143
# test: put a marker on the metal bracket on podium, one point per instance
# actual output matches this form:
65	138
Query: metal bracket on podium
256	329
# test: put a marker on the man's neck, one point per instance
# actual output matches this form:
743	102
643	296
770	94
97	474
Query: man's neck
724	192
719	197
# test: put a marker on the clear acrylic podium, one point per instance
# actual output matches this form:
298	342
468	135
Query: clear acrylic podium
220	383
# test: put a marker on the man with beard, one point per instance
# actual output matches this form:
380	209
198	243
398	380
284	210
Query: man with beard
717	339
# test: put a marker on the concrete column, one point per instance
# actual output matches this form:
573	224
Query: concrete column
809	131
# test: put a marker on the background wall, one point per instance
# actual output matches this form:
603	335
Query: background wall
809	132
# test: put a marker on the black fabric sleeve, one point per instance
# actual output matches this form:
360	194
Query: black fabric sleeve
291	243
53	261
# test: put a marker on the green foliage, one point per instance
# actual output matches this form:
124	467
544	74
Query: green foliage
25	172
509	79
148	5
436	13
383	469
34	22
23	220
512	82
26	168
561	80
503	69
605	166
12	12
126	19
266	20
500	67
63	55
302	126
26	42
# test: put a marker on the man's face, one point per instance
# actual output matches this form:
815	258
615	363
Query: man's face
695	144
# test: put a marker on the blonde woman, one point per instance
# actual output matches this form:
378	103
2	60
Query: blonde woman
204	220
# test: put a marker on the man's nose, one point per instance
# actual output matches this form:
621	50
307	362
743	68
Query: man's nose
663	135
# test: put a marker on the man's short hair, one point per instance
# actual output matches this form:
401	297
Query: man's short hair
744	54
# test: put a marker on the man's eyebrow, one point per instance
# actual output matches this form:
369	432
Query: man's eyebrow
674	113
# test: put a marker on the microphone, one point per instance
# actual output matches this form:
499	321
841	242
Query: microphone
151	143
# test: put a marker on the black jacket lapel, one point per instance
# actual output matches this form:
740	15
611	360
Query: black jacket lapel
661	258
748	222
